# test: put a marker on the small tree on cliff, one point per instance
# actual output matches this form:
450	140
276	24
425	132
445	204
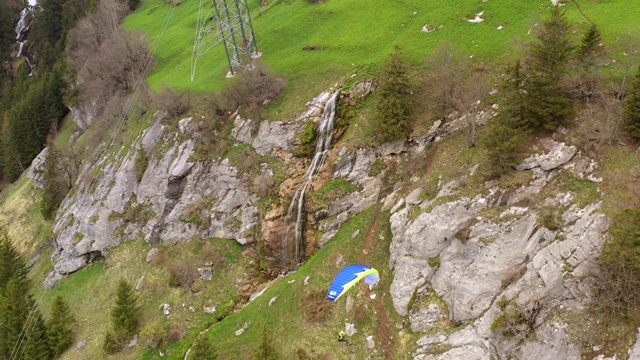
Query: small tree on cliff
59	327
632	108
393	107
203	350
266	349
506	132
125	318
548	102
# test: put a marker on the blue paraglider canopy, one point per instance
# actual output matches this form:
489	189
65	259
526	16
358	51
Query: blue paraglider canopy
348	277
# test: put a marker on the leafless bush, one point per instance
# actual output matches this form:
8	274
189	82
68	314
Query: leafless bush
115	68
182	274
91	31
160	257
263	184
617	287
446	69
172	102
211	256
251	89
360	313
316	308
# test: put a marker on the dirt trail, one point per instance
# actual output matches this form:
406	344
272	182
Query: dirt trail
384	333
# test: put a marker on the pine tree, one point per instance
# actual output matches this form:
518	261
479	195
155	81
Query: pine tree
8	20
632	108
506	133
22	330
36	346
125	318
125	315
266	349
589	48
55	185
59	327
549	104
11	263
589	59
393	107
48	25
203	350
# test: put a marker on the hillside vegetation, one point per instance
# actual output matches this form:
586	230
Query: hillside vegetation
351	36
355	34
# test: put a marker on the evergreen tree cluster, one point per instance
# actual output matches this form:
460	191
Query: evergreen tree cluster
31	100
537	93
23	331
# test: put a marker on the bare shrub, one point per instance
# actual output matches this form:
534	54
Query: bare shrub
264	184
172	102
160	257
316	308
446	69
115	68
91	31
360	312
619	279
182	274
211	256
176	332
251	89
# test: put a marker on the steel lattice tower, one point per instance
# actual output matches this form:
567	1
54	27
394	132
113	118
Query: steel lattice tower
236	32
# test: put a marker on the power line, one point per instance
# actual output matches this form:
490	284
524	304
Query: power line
30	322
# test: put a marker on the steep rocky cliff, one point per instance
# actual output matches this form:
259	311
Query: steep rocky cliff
483	273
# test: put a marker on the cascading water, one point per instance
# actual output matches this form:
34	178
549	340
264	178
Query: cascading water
325	133
22	30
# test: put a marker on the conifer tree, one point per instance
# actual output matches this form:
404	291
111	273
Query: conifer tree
589	48
36	344
589	58
203	350
632	108
549	103
11	263
266	349
506	133
22	330
125	315
59	327
393	107
125	318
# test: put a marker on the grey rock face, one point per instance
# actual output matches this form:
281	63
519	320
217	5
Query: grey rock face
417	241
558	154
634	352
512	259
176	199
36	170
425	319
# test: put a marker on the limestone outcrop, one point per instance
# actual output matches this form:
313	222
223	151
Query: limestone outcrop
453	264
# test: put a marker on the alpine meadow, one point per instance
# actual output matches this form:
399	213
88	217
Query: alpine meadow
319	179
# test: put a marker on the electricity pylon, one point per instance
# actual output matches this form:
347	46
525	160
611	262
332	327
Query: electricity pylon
235	31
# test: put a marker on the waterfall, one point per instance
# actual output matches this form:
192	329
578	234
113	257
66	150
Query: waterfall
22	30
324	135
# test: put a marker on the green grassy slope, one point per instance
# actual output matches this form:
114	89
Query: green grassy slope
353	33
